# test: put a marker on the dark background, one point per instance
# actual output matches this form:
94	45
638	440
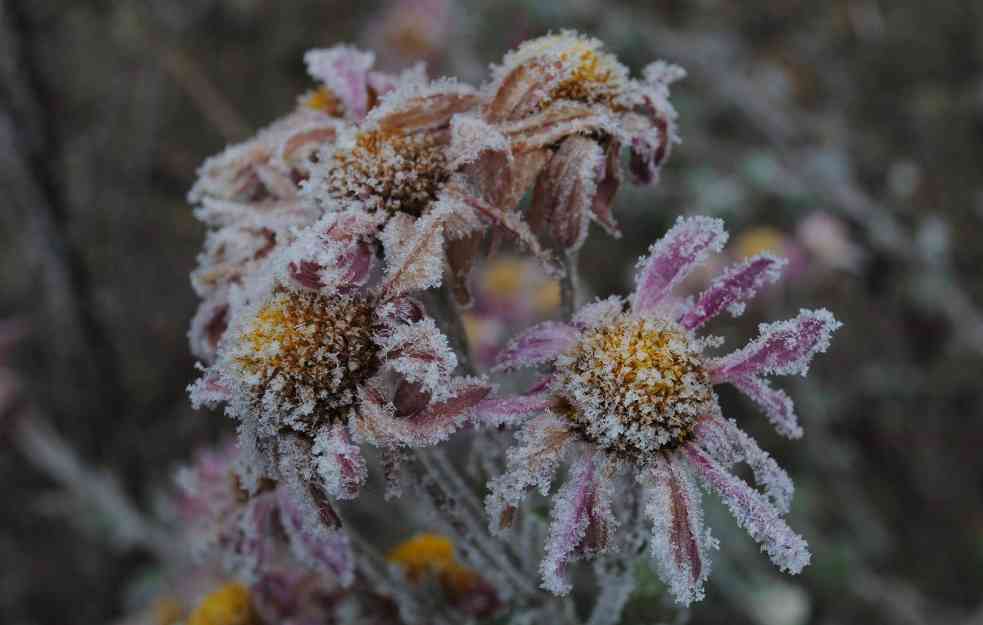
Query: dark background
871	111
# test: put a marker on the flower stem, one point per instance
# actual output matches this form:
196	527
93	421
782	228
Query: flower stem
569	284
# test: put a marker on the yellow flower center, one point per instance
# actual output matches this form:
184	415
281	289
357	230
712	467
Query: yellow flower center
635	385
433	554
229	605
593	81
391	170
312	349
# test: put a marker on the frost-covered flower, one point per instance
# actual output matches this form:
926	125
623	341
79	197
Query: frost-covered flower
249	195
333	353
555	116
253	536
629	393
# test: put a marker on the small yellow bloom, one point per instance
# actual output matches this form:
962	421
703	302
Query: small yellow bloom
323	100
422	554
759	239
228	605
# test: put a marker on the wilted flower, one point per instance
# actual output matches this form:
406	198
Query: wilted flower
249	194
630	391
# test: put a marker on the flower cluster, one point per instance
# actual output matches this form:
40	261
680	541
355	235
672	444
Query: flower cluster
319	336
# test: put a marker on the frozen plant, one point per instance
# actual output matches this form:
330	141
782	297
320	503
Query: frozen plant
322	333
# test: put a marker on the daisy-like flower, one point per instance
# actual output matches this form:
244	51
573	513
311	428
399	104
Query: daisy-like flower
335	354
629	393
249	195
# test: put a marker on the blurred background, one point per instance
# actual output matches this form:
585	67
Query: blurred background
847	135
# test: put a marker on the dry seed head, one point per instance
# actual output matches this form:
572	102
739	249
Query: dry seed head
390	170
309	352
635	385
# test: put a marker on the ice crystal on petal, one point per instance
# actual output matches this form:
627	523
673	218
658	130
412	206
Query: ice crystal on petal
598	313
538	344
753	512
345	71
420	352
680	544
672	257
470	136
414	251
338	463
778	406
583	502
733	289
782	348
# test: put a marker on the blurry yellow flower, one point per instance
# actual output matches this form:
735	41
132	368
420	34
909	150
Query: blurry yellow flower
433	554
503	278
168	611
228	605
547	298
759	239
323	100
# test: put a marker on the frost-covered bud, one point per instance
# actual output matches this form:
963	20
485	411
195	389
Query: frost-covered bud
629	390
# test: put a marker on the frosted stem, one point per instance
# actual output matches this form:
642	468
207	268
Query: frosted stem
569	284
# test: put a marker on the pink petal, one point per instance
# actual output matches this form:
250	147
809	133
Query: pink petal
250	535
543	441
782	348
344	70
580	504
680	544
339	463
732	289
776	403
500	411
673	256
729	445
312	541
787	550
539	344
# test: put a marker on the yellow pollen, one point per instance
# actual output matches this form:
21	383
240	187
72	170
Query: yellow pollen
594	80
228	605
645	373
319	347
322	99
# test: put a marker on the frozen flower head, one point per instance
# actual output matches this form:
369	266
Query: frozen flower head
555	116
629	392
336	353
395	160
249	195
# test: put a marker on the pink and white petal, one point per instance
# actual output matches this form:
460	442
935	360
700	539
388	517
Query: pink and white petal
598	313
510	410
414	251
543	441
419	352
672	257
209	324
733	289
313	542
782	348
338	462
537	345
752	511
581	515
344	70
251	538
209	390
680	544
729	445
776	403
437	421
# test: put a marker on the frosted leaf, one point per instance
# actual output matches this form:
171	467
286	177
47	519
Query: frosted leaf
344	70
752	511
608	183
680	544
737	285
776	403
558	122
338	463
509	410
419	352
728	444
581	520
598	313
470	136
414	251
672	257
539	344
782	348
529	464
208	325
336	252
